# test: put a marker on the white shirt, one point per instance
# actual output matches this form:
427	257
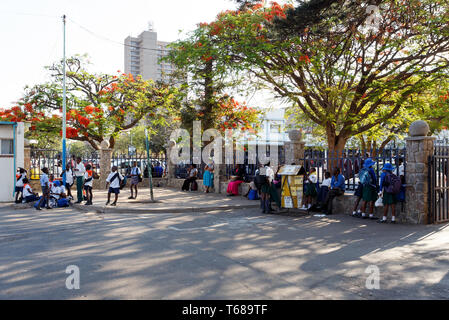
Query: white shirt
90	183
401	170
115	183
81	169
326	182
19	182
69	177
27	191
313	178
135	171
55	192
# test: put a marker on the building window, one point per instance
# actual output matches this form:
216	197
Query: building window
7	146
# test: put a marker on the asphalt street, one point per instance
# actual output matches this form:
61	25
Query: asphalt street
236	254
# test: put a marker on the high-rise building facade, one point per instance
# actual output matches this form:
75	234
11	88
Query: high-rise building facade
143	54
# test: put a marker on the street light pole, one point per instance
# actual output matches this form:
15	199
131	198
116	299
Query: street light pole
64	110
150	175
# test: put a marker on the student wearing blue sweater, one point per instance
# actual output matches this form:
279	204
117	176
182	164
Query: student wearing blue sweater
337	189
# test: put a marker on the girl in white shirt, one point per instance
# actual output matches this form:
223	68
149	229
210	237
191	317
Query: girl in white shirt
310	189
68	180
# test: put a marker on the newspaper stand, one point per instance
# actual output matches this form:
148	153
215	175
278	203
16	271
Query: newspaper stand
291	186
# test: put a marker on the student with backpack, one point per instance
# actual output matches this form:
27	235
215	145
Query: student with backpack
390	187
88	183
20	176
135	175
369	181
114	181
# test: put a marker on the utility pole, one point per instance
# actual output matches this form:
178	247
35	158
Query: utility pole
64	110
150	174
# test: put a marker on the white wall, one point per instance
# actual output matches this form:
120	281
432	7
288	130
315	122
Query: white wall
7	169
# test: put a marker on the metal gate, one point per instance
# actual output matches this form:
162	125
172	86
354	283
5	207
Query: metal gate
439	185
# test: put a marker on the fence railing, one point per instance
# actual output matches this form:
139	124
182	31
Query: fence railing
52	159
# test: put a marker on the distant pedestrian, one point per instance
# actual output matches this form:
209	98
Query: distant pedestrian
20	176
45	185
135	175
193	172
113	181
79	171
208	177
88	183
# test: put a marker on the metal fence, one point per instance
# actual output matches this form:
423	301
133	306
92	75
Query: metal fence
52	159
439	185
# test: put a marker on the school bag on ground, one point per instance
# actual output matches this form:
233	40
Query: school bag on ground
393	184
253	195
365	177
62	203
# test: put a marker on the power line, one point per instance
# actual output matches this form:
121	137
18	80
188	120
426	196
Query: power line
111	40
29	14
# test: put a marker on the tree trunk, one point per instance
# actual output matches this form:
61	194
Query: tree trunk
336	144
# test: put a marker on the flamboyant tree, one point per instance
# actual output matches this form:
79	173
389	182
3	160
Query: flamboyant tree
99	106
346	68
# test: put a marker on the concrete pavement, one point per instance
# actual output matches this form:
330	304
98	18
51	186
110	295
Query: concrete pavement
237	254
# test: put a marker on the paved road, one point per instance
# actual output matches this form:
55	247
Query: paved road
220	255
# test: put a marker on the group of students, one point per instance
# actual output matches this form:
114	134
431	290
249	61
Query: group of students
54	193
389	191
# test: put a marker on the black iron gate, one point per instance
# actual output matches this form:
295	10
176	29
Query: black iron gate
439	185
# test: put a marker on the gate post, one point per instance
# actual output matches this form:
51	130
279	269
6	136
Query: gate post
105	162
294	149
419	148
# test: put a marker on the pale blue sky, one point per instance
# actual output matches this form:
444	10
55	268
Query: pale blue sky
30	42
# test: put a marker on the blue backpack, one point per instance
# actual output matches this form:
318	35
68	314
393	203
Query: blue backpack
63	203
365	177
253	195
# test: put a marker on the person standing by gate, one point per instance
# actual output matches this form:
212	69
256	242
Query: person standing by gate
135	179
79	170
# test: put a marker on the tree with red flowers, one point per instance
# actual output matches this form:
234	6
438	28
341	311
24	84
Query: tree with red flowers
99	106
345	68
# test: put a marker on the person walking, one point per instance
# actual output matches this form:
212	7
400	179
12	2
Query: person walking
135	179
45	185
113	181
80	171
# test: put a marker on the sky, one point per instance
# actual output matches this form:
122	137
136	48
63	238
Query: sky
31	33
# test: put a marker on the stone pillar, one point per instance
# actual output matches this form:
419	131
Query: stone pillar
27	157
294	149
419	148
105	163
219	177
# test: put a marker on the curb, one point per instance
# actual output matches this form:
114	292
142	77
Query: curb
108	209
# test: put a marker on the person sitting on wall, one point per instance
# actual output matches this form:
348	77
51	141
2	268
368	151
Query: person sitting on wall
192	176
337	189
236	179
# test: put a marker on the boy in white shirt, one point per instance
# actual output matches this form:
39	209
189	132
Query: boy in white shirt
113	180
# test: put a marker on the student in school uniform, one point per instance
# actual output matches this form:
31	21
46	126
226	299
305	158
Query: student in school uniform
21	174
79	171
68	180
28	194
310	189
88	183
45	185
113	182
135	179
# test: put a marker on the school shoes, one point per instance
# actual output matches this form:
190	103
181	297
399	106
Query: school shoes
107	203
131	197
113	204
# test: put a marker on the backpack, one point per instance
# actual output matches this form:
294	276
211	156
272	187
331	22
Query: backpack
393	183
63	203
194	186
260	180
253	195
365	177
95	175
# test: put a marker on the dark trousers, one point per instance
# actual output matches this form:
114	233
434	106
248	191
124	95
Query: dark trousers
79	188
330	196
187	182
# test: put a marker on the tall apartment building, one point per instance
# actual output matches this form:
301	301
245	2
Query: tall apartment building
143	54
